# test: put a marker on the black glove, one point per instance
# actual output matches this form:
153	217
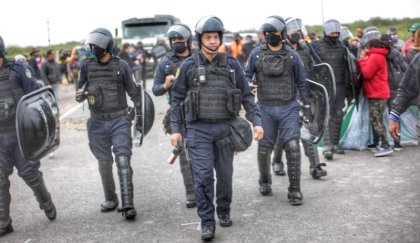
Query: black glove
80	95
307	114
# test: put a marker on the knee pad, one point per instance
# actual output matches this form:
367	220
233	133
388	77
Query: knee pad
292	150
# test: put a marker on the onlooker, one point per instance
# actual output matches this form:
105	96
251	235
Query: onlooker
373	68
50	71
33	62
397	43
415	48
247	47
409	43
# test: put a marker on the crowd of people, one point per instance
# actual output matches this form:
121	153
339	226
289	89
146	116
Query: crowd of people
207	88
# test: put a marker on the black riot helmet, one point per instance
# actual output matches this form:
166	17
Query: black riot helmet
209	24
2	48
179	31
275	23
331	26
102	38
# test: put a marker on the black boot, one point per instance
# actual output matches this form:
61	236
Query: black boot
208	232
125	174
315	167
277	163
292	150
36	183
337	120
327	142
107	177
5	220
264	155
188	180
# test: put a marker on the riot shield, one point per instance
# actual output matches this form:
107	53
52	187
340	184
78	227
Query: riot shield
38	124
312	132
323	74
355	76
147	116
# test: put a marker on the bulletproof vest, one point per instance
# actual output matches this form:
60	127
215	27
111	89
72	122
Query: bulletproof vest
10	93
275	76
212	96
306	58
173	64
105	88
334	55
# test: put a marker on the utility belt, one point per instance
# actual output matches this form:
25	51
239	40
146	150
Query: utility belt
108	116
7	128
274	102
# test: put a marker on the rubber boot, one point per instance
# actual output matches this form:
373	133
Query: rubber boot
190	201
277	163
264	156
5	199
108	184
292	150
125	174
315	167
37	184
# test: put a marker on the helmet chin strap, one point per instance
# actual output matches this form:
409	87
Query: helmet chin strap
212	50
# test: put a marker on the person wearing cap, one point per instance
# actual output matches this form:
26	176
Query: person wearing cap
211	88
409	43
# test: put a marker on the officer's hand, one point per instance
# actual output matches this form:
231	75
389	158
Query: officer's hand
307	114
258	133
168	82
176	138
81	95
394	129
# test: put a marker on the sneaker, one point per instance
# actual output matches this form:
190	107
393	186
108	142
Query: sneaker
381	151
397	146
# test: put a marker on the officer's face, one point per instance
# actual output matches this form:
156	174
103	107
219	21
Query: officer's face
211	40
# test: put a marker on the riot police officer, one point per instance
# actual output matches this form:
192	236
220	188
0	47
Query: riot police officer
332	51
295	35
104	80
279	75
180	41
16	80
208	93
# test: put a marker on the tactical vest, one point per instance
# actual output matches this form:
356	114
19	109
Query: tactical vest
306	58
334	55
173	64
275	76
10	93
212	96
105	88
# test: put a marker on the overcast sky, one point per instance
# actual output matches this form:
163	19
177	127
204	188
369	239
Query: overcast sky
24	22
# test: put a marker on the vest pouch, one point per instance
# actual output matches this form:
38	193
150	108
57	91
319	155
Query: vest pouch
7	109
233	103
95	98
273	65
191	105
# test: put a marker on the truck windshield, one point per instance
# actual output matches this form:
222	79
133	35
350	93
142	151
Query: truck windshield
142	31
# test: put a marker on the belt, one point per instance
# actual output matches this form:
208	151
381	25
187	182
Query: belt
275	102
107	116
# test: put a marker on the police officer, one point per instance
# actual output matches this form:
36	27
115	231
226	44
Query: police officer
332	51
104	81
16	80
211	88
295	35
279	75
180	41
